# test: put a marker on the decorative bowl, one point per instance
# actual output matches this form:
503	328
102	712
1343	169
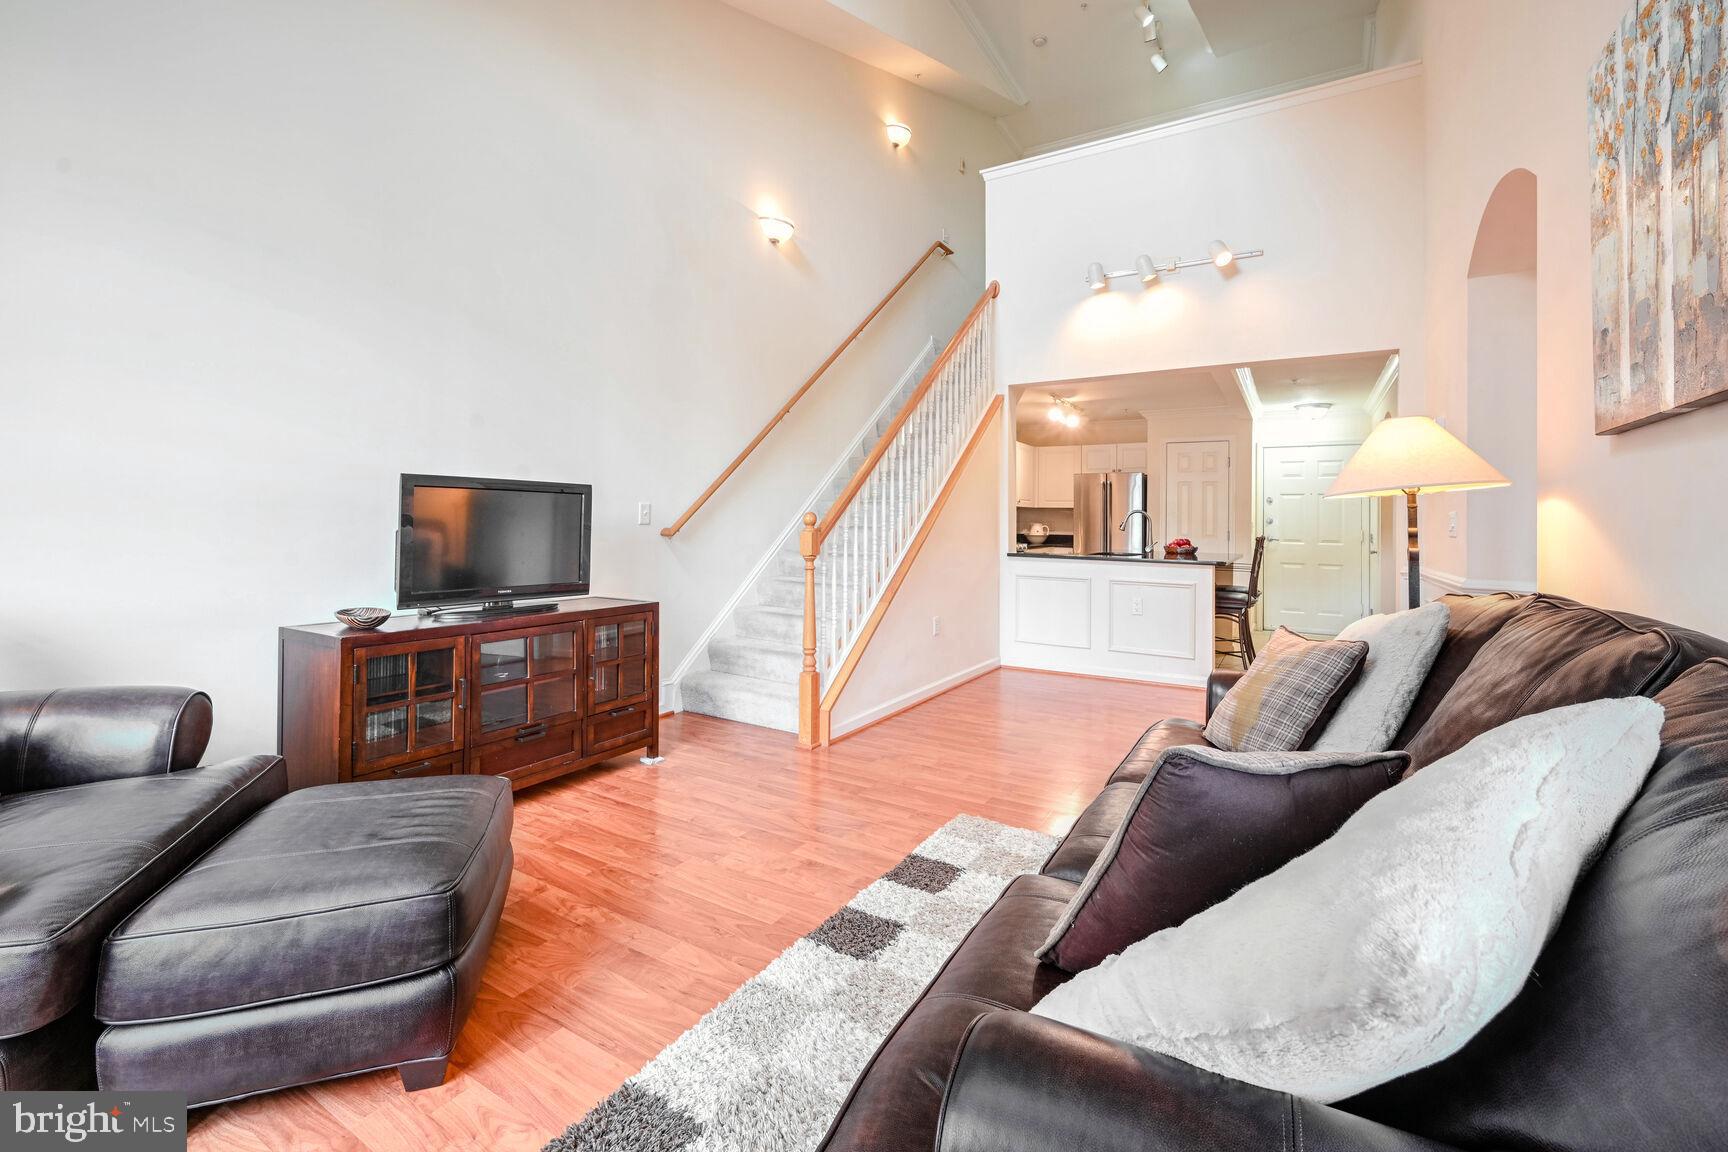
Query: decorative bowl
362	618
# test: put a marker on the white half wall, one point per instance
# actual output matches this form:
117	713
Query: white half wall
953	580
256	259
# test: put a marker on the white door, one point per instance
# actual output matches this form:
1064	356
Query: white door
1098	458
1197	493
1315	576
1134	457
1056	468
1025	475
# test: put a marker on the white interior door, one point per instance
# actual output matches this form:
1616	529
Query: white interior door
1315	576
1197	493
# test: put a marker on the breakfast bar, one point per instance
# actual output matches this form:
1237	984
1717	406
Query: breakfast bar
1130	617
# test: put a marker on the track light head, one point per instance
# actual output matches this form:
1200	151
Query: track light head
1148	271
1145	16
1160	61
1221	254
1095	277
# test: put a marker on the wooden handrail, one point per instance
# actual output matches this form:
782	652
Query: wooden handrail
672	531
856	484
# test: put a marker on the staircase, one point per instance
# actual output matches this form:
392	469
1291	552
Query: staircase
780	644
753	664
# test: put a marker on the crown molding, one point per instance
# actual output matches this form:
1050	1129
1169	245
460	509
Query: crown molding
987	45
1384	385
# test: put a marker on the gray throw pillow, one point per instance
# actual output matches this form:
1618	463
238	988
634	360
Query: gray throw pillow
1284	699
1389	946
1402	647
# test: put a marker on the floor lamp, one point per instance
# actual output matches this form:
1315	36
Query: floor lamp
1412	455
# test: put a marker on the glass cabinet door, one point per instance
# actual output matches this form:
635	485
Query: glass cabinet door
618	662
407	698
526	678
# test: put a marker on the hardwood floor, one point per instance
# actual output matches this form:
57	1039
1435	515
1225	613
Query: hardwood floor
643	896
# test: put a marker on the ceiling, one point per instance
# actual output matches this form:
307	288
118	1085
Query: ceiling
1276	385
1092	76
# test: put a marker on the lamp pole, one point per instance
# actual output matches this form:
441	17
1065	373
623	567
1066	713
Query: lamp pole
1415	551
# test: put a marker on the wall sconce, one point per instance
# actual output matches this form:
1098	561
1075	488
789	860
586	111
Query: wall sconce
1149	272
776	228
899	135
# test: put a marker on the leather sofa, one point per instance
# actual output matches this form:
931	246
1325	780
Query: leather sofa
1616	1043
101	804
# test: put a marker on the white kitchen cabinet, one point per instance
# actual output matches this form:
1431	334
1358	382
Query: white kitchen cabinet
1057	466
1098	458
1025	475
1134	457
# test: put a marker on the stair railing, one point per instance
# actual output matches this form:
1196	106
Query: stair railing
852	554
774	421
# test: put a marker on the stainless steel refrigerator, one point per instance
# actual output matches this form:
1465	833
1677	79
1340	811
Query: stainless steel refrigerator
1102	502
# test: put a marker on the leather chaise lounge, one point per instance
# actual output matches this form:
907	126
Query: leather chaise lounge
101	803
232	938
1618	1043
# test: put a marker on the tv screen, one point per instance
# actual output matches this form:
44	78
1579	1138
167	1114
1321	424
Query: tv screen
465	540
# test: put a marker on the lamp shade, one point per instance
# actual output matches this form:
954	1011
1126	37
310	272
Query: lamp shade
1413	454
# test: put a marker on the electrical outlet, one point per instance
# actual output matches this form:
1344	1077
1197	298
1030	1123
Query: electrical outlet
935	625
1452	524
1137	607
644	513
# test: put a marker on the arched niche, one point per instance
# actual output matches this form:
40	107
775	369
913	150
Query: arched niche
1500	406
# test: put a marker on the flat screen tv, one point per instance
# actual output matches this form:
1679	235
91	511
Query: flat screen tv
464	540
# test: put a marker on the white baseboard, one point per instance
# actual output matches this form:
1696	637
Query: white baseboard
1451	584
907	699
670	699
1170	679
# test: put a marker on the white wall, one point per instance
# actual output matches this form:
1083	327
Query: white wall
257	259
1328	182
1506	87
954	580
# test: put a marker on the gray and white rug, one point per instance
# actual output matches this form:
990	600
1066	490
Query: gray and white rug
767	1070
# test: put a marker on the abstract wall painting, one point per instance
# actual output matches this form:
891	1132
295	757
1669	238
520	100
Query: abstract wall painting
1660	152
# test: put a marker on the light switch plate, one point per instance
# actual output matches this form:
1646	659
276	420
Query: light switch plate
644	513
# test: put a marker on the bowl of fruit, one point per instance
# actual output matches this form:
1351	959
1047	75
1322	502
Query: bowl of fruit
1181	546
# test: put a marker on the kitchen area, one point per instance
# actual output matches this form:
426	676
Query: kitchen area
1092	585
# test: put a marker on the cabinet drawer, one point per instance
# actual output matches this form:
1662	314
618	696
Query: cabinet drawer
531	745
439	766
616	728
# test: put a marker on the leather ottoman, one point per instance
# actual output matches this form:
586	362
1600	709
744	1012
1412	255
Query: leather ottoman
342	929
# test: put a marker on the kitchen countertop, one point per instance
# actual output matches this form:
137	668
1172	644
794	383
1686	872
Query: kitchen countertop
1211	559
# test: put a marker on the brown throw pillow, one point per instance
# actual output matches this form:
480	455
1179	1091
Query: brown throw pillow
1283	701
1204	824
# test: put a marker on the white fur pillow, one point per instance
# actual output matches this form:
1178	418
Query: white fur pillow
1390	945
1402	647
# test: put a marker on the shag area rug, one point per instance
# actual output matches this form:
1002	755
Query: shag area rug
768	1069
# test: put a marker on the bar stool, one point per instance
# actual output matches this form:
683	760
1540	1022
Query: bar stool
1233	604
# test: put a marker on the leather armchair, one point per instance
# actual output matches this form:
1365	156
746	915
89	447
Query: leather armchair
1023	1083
66	736
1217	685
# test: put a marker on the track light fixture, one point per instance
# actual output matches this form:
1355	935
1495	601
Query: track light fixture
1064	412
1149	272
1145	16
1159	60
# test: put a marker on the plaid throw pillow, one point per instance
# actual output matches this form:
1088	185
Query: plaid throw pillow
1284	700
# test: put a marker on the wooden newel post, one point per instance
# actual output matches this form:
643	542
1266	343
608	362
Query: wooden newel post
809	689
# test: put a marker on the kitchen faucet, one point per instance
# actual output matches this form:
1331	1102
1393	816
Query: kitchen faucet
1123	527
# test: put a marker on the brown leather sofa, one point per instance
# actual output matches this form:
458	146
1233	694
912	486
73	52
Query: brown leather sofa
1617	1043
102	802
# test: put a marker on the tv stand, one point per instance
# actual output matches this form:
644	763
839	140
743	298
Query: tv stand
488	610
530	697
